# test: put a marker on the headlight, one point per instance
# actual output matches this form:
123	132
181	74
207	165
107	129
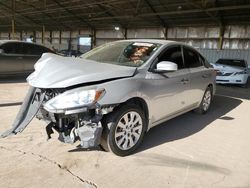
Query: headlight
239	73
73	99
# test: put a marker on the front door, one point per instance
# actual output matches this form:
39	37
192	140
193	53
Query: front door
11	60
167	91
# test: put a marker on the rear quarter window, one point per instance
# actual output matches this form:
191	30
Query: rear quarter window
192	58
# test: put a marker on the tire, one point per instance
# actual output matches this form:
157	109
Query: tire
124	130
206	102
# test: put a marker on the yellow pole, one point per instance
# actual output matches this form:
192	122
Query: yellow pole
13	19
13	28
43	34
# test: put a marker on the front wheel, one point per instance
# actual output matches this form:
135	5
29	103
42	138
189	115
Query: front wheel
124	130
206	102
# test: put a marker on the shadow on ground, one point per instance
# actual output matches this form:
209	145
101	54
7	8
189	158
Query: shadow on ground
13	78
185	125
233	91
10	104
189	123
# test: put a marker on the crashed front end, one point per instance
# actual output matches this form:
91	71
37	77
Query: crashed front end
64	92
75	114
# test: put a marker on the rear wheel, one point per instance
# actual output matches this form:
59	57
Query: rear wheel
206	102
124	130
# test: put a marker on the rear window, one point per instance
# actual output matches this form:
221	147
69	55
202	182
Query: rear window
232	62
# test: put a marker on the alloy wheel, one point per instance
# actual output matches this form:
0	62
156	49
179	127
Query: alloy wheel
128	130
206	100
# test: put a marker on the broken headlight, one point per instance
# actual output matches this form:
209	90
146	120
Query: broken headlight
73	99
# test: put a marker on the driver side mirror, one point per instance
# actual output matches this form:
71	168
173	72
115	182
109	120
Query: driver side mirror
166	66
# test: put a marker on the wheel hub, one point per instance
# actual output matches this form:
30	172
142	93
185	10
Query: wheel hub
128	130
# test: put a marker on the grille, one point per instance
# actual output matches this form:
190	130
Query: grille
223	74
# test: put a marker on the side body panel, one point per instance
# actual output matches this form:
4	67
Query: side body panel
167	93
200	78
11	63
29	62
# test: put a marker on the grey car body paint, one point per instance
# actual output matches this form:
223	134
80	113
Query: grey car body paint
72	71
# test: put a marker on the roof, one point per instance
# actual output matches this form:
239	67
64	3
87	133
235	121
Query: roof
159	41
5	41
75	14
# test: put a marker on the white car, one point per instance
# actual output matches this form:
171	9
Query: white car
231	71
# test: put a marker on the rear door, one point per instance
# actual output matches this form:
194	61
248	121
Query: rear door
11	60
200	76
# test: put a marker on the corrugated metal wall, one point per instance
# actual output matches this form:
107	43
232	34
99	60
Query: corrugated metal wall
213	55
236	39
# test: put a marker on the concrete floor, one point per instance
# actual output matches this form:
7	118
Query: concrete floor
192	150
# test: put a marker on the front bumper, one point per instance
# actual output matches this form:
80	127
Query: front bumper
81	124
232	79
27	112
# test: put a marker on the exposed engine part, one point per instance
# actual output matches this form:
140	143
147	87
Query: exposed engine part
84	126
49	130
106	110
90	135
65	125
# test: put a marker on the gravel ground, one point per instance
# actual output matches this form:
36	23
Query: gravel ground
192	150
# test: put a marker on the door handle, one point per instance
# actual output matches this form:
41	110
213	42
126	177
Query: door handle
206	75
184	80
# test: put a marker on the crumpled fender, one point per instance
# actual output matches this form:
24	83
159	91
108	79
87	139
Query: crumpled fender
27	112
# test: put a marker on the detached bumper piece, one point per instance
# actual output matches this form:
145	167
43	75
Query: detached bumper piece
27	112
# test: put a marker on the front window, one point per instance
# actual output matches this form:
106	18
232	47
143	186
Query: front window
125	53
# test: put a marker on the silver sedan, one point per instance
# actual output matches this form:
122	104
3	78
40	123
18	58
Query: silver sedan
112	95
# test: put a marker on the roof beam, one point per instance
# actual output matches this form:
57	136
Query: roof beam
194	4
72	13
178	12
45	14
9	9
110	14
163	23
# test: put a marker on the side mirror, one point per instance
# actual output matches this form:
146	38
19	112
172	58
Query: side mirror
1	51
166	66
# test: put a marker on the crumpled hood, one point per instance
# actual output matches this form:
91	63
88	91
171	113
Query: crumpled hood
54	71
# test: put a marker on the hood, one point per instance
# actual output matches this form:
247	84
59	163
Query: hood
227	68
54	71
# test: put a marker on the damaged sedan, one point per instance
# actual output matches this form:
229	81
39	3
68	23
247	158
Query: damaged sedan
112	95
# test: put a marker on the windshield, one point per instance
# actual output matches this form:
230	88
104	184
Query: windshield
232	62
125	53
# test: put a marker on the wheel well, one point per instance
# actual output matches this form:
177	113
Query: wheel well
211	87
141	103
